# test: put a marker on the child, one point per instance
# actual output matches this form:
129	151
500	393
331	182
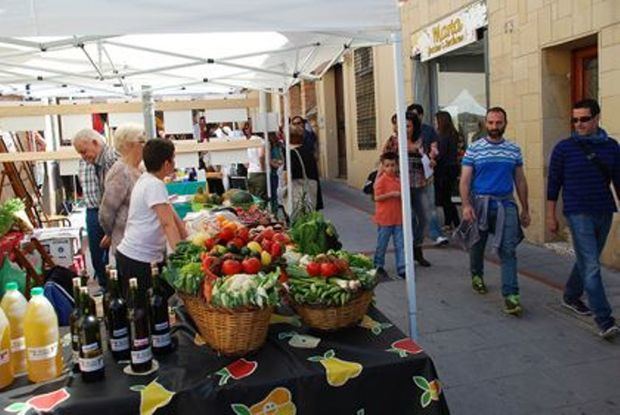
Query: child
388	215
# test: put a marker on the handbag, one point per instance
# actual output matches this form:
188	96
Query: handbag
369	186
593	157
304	192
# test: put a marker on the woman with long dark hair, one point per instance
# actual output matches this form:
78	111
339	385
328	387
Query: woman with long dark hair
447	168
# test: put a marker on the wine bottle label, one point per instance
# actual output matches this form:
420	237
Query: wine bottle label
5	356
87	348
162	326
141	342
91	364
18	344
161	340
75	338
120	332
141	356
43	353
118	345
76	356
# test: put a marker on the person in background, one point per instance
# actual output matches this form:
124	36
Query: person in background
417	181
306	162
96	160
388	215
129	139
257	178
447	168
310	140
492	168
582	167
430	143
276	149
151	221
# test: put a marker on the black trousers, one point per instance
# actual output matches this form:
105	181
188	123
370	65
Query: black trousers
445	182
130	268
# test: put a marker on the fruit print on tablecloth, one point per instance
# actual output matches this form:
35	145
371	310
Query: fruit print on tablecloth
338	371
300	341
374	326
40	403
152	397
278	402
238	369
431	389
405	347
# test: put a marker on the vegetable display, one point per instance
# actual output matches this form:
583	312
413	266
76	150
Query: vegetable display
314	235
244	290
9	213
329	279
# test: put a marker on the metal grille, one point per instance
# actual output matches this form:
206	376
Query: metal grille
365	99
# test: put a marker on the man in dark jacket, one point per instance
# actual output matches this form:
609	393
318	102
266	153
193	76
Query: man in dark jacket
582	167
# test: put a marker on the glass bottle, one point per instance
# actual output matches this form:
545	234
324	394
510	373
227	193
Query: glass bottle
116	321
141	353
160	322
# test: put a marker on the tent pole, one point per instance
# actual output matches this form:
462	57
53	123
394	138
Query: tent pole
399	84
262	112
148	111
287	149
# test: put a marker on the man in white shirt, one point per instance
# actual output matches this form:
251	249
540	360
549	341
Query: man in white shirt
151	220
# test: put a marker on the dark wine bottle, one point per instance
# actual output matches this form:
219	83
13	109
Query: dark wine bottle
116	321
160	322
91	350
106	295
141	353
74	320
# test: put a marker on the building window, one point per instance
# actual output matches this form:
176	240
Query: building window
365	99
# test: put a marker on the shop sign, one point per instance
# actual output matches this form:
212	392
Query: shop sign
450	33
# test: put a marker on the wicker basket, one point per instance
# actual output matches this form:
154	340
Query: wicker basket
334	318
229	332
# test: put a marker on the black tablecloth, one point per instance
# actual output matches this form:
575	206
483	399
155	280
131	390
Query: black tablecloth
370	369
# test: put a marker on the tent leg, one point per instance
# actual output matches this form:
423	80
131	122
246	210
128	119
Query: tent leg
148	111
287	149
262	112
399	84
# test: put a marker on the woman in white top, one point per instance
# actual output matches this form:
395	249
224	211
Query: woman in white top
151	220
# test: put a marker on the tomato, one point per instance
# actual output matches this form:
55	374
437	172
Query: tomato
283	277
231	267
280	238
342	265
243	234
266	245
268	233
210	243
227	234
251	265
238	242
328	269
276	249
313	269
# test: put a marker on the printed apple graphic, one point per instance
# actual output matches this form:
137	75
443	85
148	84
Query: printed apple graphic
405	347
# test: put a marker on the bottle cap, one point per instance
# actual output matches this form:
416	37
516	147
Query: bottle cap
36	291
113	274
11	286
133	282
76	282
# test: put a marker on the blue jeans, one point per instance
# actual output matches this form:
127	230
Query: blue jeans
434	230
589	234
273	182
383	238
507	250
418	216
98	256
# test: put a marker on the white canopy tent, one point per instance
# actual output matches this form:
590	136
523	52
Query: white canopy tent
107	48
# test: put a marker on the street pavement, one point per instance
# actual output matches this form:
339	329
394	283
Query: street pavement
548	362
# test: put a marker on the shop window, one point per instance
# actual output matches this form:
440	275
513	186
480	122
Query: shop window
585	73
365	99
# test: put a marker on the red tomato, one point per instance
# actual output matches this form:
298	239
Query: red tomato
266	245
280	238
251	265
313	269
227	234
276	249
244	234
342	265
268	233
238	242
210	243
328	269
230	267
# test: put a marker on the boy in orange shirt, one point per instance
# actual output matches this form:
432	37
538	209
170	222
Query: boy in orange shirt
388	215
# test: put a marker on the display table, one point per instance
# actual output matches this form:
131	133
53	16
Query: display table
370	369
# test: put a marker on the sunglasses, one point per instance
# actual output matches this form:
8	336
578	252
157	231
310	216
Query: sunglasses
575	120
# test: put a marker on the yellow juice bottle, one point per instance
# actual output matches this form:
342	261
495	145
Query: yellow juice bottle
43	354
14	306
6	370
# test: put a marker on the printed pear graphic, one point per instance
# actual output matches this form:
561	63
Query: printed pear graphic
374	326
152	397
338	371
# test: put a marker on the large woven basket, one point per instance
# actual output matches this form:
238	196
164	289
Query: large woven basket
229	332
334	318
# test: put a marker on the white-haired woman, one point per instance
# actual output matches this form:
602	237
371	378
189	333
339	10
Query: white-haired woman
129	140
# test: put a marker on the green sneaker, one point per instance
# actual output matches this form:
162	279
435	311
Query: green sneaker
513	305
477	283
